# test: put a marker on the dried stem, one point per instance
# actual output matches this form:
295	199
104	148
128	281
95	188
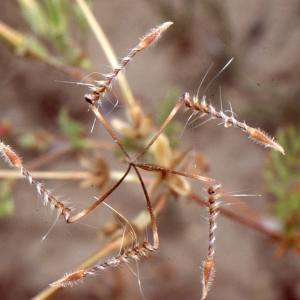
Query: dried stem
134	252
105	124
64	175
59	175
114	243
12	158
166	122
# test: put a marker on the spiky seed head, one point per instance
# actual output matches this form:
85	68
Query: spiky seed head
153	35
208	274
10	156
262	138
69	279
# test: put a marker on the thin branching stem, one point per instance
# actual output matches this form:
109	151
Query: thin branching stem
150	210
112	244
107	127
166	122
100	200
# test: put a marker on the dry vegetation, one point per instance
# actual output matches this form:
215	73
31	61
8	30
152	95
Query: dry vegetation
165	168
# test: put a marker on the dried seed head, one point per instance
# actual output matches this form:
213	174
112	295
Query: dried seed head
262	138
153	36
10	156
208	274
70	279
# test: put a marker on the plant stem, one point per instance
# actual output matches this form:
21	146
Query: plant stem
114	243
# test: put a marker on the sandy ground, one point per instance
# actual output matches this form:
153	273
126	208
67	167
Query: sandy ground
263	36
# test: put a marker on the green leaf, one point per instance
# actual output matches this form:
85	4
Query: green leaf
6	199
40	140
166	105
163	112
34	15
72	129
282	177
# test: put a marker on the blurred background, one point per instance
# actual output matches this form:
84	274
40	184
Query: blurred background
262	85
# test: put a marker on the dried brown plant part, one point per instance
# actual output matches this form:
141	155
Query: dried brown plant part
139	223
178	184
208	269
256	224
145	42
16	162
139	125
98	171
13	160
133	252
136	250
208	265
203	108
157	134
164	156
181	100
105	124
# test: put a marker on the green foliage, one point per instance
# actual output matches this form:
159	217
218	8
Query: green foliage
51	21
72	129
282	175
164	109
39	140
6	199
